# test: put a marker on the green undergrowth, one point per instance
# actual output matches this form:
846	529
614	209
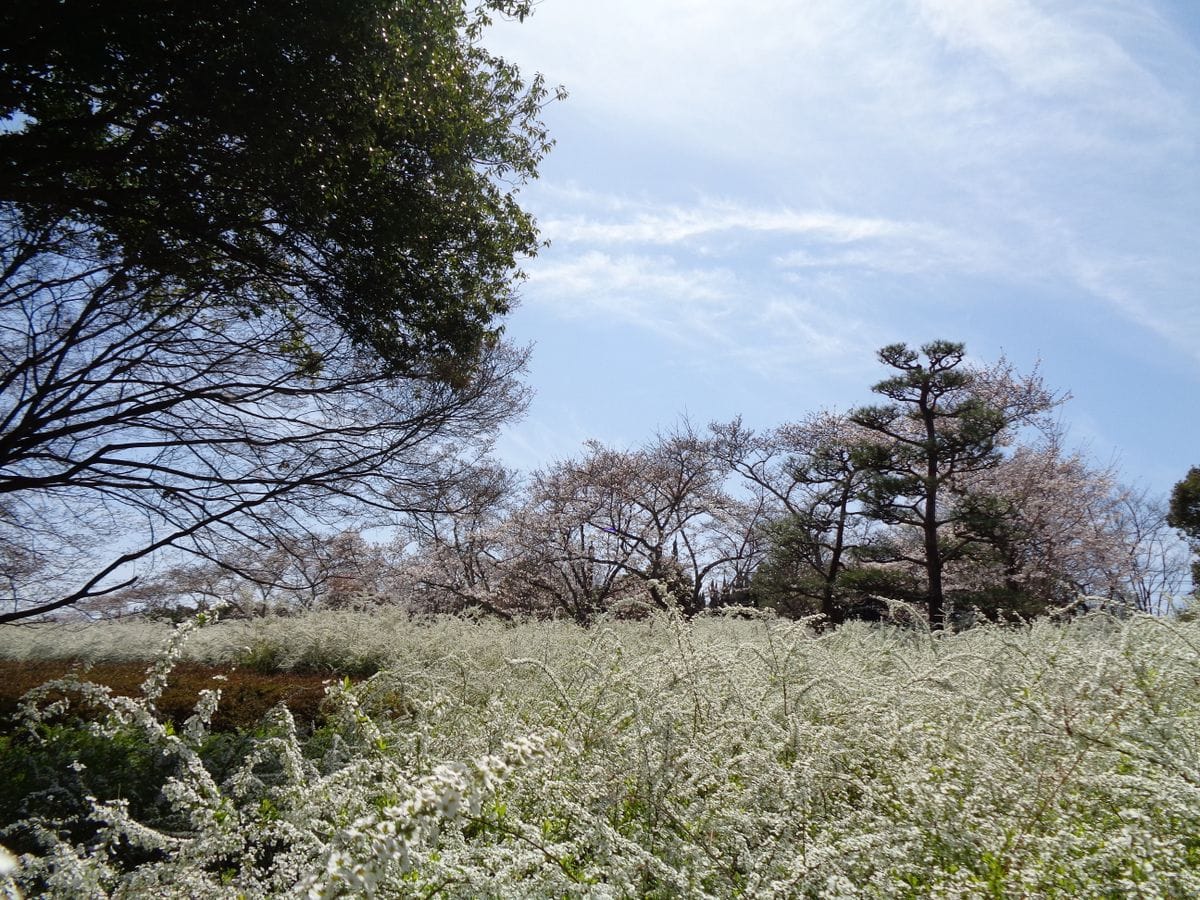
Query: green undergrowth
719	758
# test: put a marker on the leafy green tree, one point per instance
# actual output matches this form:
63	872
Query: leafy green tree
1184	514
354	156
945	421
253	259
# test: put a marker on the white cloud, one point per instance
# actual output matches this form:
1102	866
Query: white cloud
674	224
651	292
1044	48
1131	286
1031	141
801	336
766	237
595	274
762	325
766	80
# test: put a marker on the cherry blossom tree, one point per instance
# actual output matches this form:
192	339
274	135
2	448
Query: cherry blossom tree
456	553
655	522
1047	528
258	575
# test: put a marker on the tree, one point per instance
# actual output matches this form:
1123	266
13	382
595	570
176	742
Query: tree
809	481
945	422
252	260
1155	569
567	553
654	522
126	442
342	156
456	554
278	574
1183	514
1052	528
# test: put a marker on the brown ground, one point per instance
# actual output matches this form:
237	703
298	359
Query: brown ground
246	695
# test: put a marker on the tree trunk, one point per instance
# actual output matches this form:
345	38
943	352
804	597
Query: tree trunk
933	553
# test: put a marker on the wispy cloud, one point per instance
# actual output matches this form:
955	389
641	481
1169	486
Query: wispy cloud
1136	288
713	237
1050	49
756	320
676	224
791	186
1042	144
595	274
651	292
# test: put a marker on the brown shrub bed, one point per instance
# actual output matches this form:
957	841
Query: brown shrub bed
246	695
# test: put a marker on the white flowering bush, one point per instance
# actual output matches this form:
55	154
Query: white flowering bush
280	823
718	758
8	864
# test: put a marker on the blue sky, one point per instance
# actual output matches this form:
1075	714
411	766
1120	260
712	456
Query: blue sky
747	200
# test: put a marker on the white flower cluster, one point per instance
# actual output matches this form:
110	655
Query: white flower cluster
323	828
362	854
715	758
8	865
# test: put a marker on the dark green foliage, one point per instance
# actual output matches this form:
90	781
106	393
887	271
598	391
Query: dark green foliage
943	423
79	749
991	534
53	770
786	579
51	774
999	603
1184	514
865	591
344	155
1184	511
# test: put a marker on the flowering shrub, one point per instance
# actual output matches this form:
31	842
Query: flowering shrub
279	823
720	758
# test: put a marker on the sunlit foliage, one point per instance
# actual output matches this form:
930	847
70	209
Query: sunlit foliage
660	758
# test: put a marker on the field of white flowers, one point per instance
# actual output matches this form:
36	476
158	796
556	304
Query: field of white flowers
719	758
